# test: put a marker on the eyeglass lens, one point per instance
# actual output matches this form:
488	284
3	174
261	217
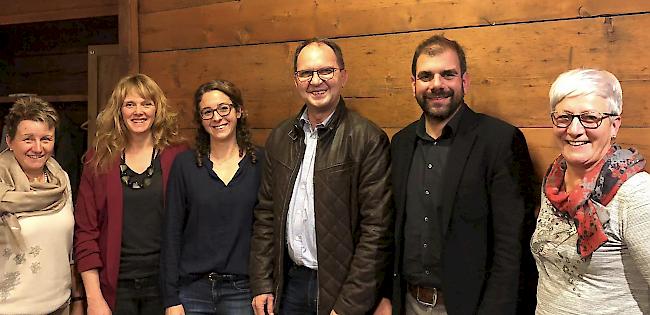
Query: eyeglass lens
222	109
588	120
324	74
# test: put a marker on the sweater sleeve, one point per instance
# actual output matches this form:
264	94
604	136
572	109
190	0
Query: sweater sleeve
635	211
88	218
175	212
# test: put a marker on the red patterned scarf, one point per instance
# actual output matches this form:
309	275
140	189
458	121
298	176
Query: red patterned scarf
598	188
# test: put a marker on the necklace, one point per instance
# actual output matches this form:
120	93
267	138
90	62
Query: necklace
131	181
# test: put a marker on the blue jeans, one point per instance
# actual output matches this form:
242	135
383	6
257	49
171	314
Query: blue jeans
138	297
300	292
217	295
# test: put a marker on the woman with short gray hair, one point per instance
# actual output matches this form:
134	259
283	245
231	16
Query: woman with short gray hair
590	243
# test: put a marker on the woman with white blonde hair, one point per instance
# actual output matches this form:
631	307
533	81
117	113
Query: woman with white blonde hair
590	243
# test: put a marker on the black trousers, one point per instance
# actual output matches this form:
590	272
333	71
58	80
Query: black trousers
139	297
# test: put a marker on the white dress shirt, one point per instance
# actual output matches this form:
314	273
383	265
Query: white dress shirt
301	226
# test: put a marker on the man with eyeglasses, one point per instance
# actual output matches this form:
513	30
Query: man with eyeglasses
462	188
322	227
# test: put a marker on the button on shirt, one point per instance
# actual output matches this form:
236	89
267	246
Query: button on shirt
422	264
301	226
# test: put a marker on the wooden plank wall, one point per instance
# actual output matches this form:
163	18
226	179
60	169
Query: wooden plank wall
51	58
29	11
515	50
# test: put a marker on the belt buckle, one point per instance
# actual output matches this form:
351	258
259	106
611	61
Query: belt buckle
434	298
213	276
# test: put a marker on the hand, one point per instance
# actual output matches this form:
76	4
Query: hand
98	306
384	308
175	310
333	312
263	302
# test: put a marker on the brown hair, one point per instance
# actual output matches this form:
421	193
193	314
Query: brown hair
243	133
325	41
112	134
435	45
30	108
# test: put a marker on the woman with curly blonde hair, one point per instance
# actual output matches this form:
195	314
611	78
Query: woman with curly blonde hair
121	199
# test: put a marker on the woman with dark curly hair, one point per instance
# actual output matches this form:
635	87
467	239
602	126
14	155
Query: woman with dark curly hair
120	204
211	196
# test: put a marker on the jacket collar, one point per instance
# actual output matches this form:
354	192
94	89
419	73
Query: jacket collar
458	156
339	114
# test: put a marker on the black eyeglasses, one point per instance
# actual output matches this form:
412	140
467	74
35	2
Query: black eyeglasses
589	120
222	109
323	73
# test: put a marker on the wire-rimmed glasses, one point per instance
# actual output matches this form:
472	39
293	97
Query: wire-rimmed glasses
323	73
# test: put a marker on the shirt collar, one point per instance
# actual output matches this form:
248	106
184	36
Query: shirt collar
450	129
304	120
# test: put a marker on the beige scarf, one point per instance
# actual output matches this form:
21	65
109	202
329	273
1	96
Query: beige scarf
21	198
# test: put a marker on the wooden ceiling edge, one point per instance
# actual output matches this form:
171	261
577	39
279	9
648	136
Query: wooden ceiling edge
58	15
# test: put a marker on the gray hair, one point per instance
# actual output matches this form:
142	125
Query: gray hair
584	81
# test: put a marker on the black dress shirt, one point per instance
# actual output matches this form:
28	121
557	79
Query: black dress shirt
421	262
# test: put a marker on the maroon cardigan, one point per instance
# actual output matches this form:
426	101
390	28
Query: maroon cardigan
98	221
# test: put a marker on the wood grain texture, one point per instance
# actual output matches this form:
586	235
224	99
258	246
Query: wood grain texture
262	21
511	69
544	150
167	5
30	11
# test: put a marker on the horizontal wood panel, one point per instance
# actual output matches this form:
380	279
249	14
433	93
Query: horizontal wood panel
30	11
65	64
150	6
540	143
543	149
511	68
50	98
50	75
263	21
49	84
60	37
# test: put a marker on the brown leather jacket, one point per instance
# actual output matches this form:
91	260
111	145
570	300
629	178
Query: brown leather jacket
352	211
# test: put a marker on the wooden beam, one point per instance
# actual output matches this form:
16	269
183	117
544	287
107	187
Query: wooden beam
262	21
128	34
50	98
167	5
55	15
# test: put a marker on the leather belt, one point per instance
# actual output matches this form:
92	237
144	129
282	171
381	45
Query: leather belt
213	276
426	296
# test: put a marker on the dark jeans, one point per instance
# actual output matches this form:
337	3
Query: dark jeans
217	295
138	297
300	292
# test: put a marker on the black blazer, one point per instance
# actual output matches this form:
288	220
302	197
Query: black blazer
488	180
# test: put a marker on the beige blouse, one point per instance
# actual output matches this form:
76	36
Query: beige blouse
616	278
37	280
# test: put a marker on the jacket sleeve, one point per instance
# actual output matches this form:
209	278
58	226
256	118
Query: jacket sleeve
88	220
361	288
510	187
261	256
174	220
